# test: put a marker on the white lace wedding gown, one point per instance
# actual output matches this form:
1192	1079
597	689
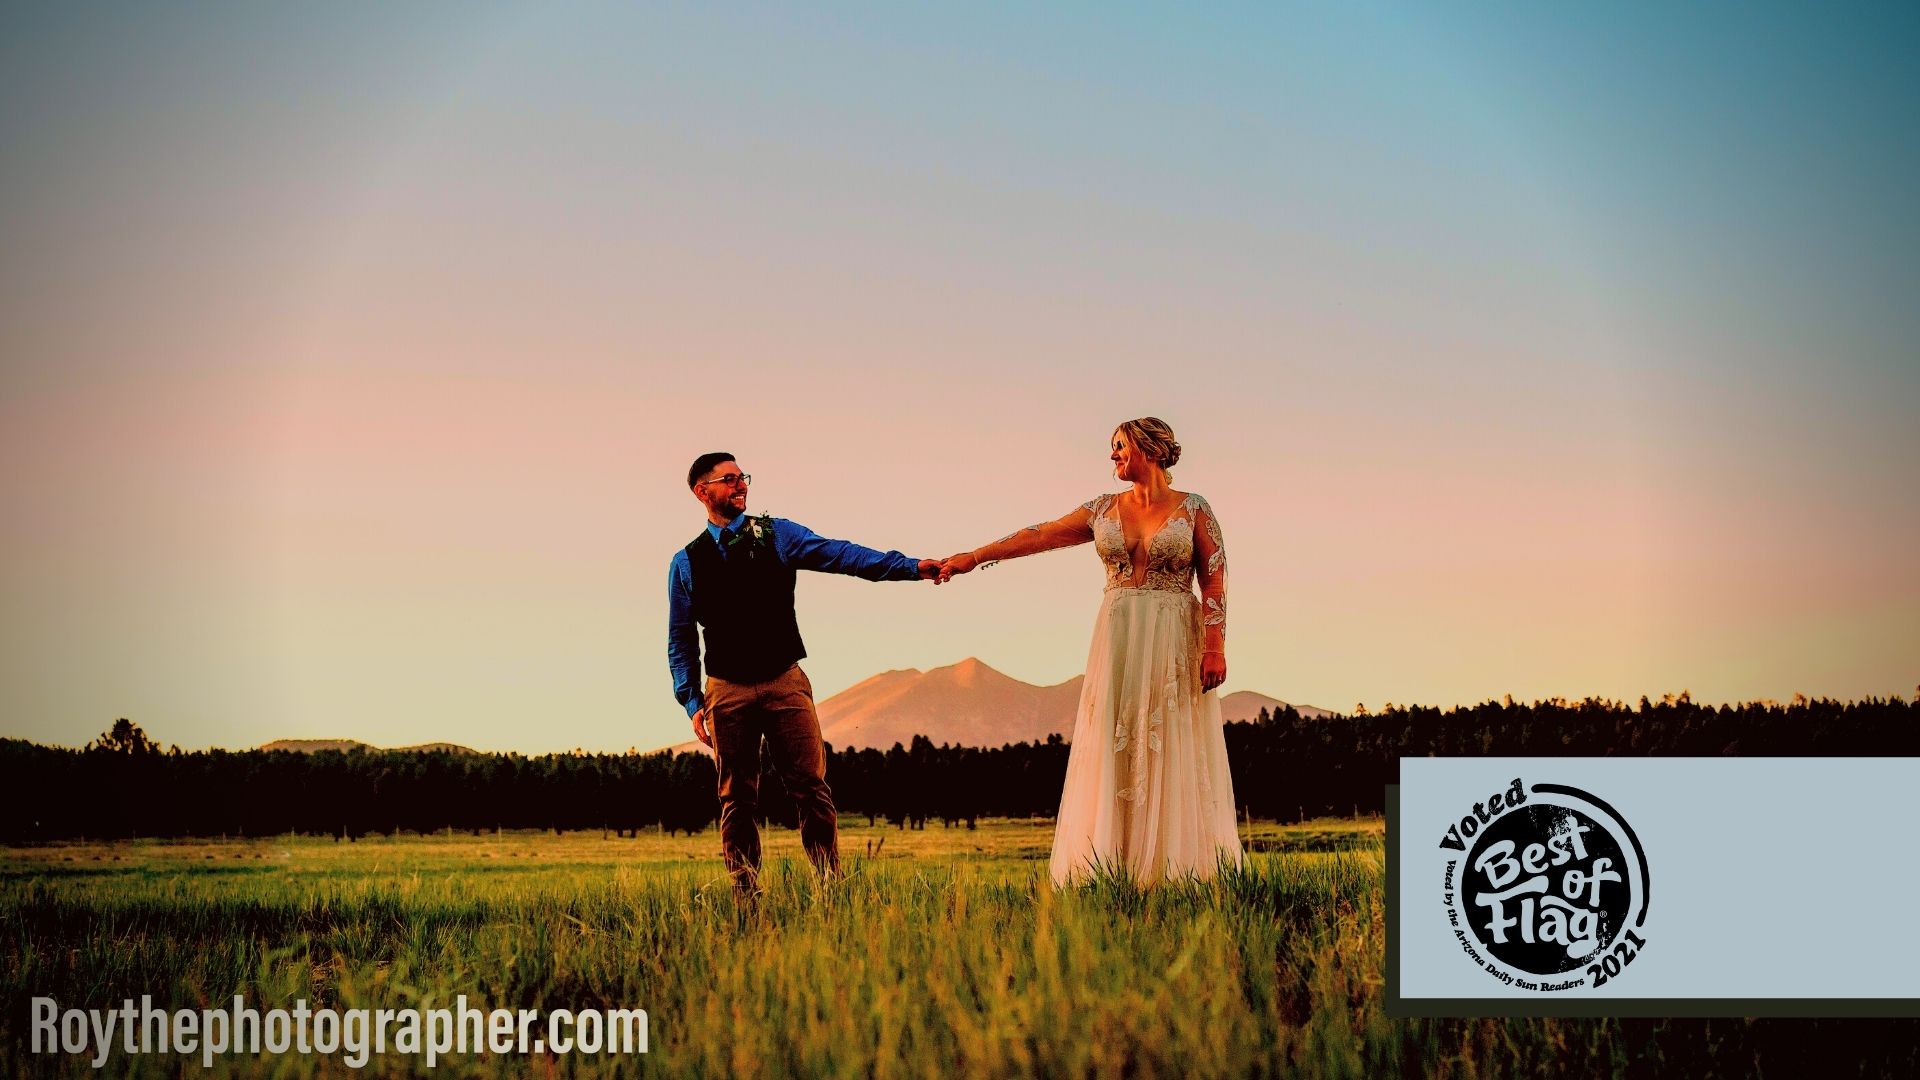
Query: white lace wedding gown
1148	789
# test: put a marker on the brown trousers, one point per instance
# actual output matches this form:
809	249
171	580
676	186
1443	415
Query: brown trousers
781	709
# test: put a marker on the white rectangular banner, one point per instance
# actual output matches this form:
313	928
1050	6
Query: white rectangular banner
1670	886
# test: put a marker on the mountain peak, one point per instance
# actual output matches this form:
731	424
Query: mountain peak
969	670
309	746
970	704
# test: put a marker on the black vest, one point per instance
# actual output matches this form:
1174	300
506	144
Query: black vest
744	605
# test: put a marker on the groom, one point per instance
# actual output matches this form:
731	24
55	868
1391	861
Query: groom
736	581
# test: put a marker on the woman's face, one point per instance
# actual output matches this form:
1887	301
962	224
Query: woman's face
1129	463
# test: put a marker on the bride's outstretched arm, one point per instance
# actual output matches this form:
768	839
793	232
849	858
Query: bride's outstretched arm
1076	527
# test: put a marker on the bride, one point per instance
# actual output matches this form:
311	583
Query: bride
1148	792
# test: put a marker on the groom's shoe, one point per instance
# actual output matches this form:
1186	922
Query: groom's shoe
746	881
825	859
746	909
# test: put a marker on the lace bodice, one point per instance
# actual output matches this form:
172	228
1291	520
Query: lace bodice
1188	545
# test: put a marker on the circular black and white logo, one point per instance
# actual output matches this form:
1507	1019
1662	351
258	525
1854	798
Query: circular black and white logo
1549	891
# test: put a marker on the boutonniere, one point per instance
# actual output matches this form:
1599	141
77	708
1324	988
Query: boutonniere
761	532
754	536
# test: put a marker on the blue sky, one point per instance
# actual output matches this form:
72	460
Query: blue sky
351	352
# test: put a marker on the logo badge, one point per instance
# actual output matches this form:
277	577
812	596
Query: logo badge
1549	891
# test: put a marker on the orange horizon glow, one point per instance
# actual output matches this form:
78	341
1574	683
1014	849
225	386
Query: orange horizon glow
354	362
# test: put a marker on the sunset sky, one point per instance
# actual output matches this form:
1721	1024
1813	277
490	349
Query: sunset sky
353	356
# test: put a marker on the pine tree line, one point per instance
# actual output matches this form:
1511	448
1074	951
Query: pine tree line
1285	767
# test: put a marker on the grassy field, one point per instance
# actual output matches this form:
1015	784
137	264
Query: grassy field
943	953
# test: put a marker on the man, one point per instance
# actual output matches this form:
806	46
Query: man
736	581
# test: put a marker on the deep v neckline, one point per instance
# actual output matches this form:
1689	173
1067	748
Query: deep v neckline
1138	574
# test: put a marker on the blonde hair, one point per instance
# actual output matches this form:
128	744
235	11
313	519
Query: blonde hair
1152	437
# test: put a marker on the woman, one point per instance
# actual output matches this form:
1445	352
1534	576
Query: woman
1148	792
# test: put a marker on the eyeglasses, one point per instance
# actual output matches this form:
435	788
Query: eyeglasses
739	479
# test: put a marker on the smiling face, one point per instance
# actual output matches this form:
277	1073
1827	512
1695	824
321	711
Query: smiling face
1130	463
724	500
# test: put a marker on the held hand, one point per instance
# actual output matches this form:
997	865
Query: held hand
957	565
700	728
1213	671
930	571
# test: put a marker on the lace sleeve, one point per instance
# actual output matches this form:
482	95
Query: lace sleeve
1210	566
1074	527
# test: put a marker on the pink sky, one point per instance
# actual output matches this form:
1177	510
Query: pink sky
368	417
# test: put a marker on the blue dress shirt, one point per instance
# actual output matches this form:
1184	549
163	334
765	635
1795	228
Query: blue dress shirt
795	545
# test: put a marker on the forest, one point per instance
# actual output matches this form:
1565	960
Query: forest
1285	768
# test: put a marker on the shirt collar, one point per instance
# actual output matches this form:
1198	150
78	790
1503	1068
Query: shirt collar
718	532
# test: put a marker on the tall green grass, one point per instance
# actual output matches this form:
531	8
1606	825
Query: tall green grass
946	954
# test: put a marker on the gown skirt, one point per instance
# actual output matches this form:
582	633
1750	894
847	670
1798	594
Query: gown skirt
1148	791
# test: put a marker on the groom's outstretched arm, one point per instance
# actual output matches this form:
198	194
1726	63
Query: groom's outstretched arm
804	549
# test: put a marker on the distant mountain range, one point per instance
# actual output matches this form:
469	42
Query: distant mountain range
971	704
309	746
